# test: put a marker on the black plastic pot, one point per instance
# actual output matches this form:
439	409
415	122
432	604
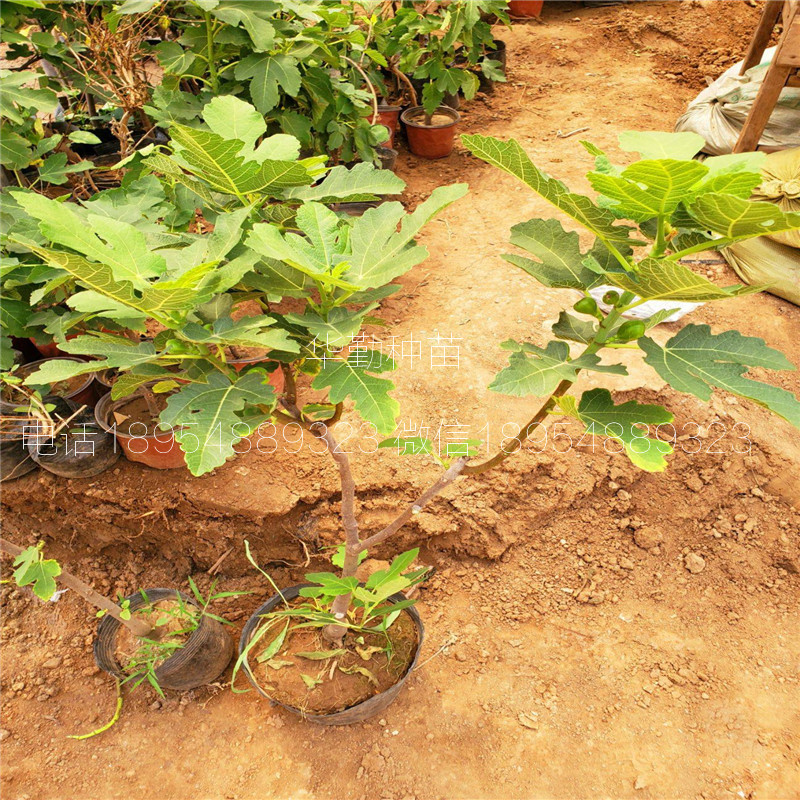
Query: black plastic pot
15	460
357	713
486	85
387	156
82	450
202	659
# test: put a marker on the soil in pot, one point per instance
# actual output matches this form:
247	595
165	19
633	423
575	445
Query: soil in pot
203	649
135	426
434	137
298	676
173	622
79	388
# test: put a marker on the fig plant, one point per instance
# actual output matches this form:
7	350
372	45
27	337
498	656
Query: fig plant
189	283
646	219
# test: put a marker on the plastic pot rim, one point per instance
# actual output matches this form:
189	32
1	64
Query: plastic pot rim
290	593
155	595
101	414
89	376
405	117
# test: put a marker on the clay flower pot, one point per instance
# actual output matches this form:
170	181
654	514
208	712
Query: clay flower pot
525	8
435	140
388	116
158	450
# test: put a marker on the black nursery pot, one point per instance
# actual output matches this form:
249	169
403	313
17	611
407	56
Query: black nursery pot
202	659
387	156
357	713
15	460
486	85
84	453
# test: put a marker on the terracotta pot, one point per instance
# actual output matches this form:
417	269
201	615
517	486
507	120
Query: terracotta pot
51	349
430	141
84	395
158	450
388	117
525	8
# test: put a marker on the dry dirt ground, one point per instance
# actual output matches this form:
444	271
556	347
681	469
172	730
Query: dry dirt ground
570	652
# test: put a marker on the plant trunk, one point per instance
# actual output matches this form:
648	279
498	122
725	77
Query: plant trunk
135	626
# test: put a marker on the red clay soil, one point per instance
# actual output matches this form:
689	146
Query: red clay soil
591	631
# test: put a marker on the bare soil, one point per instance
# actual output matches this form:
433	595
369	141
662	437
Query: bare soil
592	631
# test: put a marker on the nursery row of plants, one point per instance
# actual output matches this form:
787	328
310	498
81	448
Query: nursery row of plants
127	258
332	74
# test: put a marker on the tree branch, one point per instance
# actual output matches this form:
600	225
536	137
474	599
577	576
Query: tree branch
455	469
136	626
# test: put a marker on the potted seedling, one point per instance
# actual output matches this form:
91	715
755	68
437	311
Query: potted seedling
161	636
672	206
21	413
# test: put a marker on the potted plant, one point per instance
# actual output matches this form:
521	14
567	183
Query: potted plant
181	386
672	206
161	636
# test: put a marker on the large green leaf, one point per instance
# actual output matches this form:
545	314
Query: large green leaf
650	188
268	73
601	417
736	218
663	279
232	118
535	371
14	95
55	169
337	330
117	244
218	162
696	361
379	252
370	394
560	264
91	302
510	156
246	332
574	329
253	17
15	150
142	198
115	352
207	417
361	182
155	302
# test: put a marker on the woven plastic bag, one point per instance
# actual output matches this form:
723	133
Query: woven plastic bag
718	112
764	262
781	186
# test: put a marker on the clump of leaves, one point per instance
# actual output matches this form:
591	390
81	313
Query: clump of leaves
647	218
129	266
